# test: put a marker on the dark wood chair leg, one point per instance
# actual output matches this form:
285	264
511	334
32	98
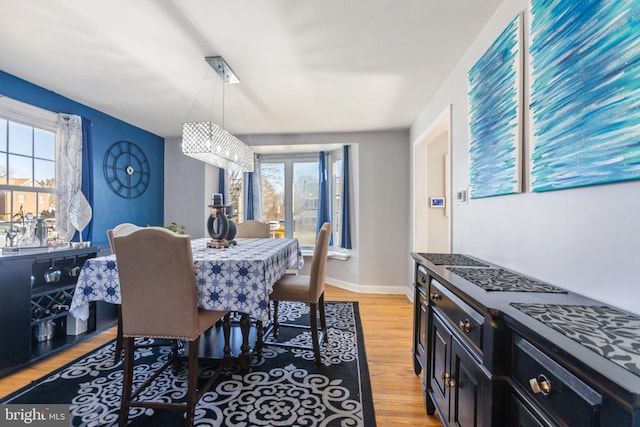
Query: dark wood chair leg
127	381
275	320
323	319
226	330
192	382
244	359
259	339
118	337
313	317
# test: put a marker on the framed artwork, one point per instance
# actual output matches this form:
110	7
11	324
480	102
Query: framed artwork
495	116
584	60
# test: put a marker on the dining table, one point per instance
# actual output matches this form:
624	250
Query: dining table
238	278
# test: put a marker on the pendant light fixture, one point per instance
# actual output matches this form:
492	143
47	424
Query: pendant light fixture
210	143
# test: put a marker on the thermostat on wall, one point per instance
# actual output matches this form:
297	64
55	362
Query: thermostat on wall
437	202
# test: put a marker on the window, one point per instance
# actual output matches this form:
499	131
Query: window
27	163
236	190
273	197
290	190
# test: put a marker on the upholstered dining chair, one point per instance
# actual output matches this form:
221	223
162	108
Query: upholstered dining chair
252	228
123	229
308	289
155	268
120	230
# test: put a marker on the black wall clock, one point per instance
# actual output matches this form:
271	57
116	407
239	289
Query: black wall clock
126	169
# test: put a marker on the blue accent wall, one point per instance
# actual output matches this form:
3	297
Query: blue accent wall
109	209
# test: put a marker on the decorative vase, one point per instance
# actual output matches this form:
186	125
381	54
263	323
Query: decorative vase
12	238
41	231
27	238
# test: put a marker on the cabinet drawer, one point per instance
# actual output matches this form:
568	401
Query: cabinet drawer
422	279
422	330
564	396
463	317
521	416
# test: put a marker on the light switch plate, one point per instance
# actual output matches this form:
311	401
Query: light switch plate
462	196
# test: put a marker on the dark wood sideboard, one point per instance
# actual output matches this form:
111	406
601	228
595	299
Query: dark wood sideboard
494	347
29	301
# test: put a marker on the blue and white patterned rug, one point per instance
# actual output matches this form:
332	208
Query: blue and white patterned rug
285	388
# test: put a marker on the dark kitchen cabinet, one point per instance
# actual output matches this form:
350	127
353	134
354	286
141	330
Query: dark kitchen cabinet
522	352
15	329
34	312
461	389
551	389
521	416
420	315
421	333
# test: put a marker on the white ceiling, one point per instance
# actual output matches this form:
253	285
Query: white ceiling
304	65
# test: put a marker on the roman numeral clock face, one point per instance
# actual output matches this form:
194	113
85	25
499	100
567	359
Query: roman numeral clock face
126	169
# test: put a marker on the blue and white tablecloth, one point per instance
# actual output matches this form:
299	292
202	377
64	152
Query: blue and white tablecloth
238	278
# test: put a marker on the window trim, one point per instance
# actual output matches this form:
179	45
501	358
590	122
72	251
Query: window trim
16	111
30	115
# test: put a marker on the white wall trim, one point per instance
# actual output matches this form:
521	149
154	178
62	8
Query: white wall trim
28	114
361	289
410	293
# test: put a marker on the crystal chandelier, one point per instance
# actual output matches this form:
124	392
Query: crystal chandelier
209	142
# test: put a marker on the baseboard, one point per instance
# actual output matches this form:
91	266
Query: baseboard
410	294
362	289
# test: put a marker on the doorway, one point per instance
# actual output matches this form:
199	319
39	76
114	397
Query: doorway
432	187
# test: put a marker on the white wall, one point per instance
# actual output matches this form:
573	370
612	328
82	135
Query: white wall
586	240
188	185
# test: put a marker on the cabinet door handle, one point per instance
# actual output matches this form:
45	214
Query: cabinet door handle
466	325
540	385
448	381
435	296
423	279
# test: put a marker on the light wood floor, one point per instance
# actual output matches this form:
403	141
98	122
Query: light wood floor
387	321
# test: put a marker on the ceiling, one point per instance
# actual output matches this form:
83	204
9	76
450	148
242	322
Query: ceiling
304	66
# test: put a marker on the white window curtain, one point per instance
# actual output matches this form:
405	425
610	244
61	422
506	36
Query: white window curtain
68	169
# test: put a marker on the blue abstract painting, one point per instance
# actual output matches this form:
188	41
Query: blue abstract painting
495	116
585	92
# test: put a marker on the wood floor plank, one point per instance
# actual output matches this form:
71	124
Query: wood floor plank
387	323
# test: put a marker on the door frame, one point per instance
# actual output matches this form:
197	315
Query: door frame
420	209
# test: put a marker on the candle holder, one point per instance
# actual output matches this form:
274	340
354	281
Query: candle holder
223	232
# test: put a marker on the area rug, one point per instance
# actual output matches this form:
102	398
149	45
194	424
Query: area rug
285	388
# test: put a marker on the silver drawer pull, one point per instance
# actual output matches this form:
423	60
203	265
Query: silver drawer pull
435	296
466	325
540	385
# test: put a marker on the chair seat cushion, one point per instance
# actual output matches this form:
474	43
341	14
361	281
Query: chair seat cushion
292	288
206	318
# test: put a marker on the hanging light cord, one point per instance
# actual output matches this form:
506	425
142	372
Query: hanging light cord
195	100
